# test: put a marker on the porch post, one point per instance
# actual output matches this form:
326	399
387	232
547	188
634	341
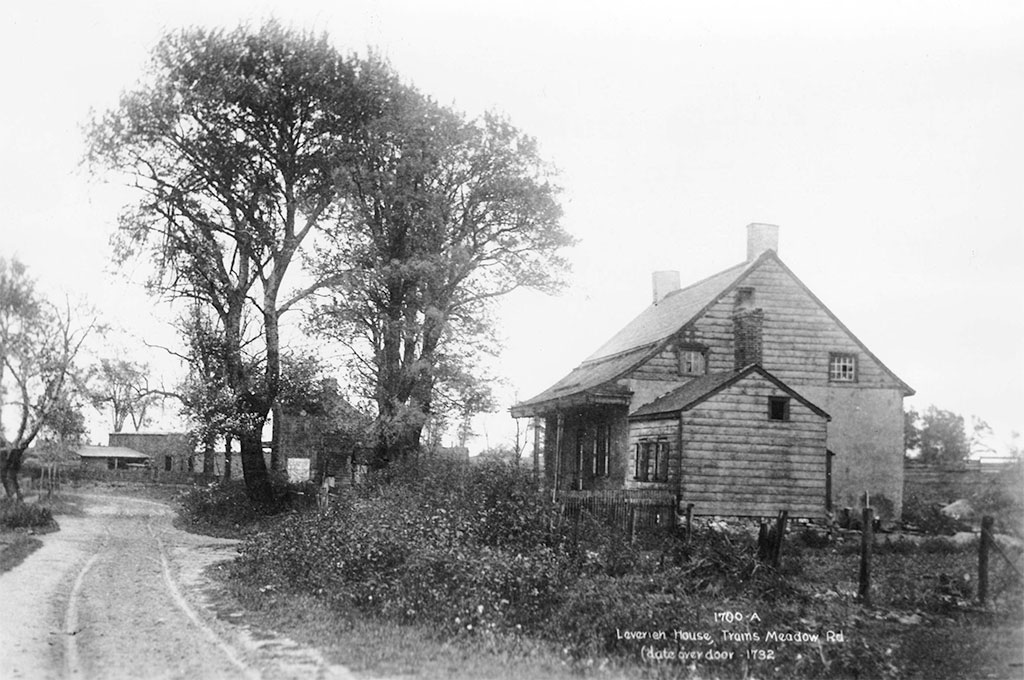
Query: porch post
536	448
558	453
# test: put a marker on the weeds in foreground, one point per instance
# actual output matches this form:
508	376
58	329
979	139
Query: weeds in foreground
475	556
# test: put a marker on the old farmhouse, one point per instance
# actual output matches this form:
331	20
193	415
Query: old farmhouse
742	394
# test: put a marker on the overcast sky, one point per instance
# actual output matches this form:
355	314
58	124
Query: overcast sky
884	138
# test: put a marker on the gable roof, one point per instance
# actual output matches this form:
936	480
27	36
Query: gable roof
664	318
699	389
648	333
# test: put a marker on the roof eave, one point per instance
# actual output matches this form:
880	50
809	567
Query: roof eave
585	398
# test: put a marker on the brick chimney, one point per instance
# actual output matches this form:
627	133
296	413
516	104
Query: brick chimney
761	237
747	328
663	283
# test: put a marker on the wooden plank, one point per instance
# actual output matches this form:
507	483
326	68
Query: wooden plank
725	509
705	466
707	432
754	486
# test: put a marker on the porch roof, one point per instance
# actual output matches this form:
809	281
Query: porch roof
592	382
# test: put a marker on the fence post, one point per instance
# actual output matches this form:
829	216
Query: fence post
866	543
983	545
632	523
780	530
689	521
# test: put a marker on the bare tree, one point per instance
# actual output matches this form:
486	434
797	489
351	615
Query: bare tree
123	387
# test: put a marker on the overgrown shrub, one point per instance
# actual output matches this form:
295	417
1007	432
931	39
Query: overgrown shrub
928	518
221	508
15	514
478	548
463	548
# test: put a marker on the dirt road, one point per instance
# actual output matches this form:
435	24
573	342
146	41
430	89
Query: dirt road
120	593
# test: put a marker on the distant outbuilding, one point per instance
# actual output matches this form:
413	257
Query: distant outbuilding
111	458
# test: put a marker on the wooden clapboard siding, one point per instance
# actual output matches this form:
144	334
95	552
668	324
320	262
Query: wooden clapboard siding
735	461
662	366
798	333
730	507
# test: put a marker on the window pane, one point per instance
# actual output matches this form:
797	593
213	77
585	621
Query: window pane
842	368
661	472
691	362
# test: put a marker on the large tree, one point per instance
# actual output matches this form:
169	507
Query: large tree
234	142
39	342
445	216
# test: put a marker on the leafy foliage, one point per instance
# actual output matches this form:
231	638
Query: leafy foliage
445	216
224	509
939	434
928	517
123	386
234	140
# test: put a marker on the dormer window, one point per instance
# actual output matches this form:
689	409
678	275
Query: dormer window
692	360
842	367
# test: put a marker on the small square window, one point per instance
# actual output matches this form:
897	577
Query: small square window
842	367
692	362
778	408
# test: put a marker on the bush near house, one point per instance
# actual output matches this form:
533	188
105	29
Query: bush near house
478	553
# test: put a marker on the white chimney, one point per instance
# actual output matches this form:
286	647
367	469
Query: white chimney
761	237
663	283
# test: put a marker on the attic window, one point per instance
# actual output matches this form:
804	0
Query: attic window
842	367
778	408
692	360
744	298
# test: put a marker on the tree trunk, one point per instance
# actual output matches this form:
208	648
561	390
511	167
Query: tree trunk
227	458
254	469
209	464
10	466
278	461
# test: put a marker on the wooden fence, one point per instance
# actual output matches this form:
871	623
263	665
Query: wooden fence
628	509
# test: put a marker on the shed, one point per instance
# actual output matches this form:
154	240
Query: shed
111	457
